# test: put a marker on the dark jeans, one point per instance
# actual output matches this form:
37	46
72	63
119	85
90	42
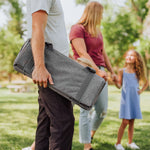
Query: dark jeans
55	122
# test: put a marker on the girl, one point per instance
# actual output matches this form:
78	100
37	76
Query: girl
129	78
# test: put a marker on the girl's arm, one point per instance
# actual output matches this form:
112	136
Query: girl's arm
120	75
144	87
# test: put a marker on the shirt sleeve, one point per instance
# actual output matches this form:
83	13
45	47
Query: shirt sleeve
77	31
37	5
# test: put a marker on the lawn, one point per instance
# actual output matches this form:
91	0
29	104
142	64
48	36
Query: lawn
18	112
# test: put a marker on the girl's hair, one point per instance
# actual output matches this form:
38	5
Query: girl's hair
91	18
139	66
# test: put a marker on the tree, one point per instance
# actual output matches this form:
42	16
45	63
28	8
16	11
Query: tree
15	24
11	38
119	35
9	48
140	9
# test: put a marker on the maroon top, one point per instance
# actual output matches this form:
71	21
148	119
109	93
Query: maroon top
94	45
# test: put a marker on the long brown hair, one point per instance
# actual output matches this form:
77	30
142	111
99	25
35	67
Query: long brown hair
91	18
139	66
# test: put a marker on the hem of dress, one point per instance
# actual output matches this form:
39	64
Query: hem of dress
129	118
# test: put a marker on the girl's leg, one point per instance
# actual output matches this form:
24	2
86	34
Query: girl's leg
84	129
121	130
130	130
100	110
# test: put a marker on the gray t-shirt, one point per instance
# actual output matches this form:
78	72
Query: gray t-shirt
55	31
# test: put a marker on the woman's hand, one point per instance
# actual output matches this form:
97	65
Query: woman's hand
102	74
114	77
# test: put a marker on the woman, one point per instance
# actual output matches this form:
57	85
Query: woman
87	42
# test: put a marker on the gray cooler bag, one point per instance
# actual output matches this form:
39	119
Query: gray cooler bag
77	83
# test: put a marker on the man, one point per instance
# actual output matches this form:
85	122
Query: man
55	119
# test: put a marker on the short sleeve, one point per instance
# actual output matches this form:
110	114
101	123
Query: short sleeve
44	5
77	31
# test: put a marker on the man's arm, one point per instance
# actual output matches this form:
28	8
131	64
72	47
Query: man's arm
40	75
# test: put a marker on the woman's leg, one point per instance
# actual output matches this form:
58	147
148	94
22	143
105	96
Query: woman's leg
84	128
33	146
100	110
124	123
130	130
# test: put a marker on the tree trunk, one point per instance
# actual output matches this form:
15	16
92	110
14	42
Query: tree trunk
9	77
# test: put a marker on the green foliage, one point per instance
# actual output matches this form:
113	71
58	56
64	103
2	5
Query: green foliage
144	49
16	14
119	35
11	37
143	10
139	8
15	24
144	46
9	47
81	1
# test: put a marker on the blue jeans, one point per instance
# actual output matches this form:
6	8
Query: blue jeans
91	120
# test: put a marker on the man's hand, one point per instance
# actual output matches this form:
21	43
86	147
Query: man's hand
41	76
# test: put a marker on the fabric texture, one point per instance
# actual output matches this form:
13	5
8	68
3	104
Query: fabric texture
94	45
91	120
55	120
130	99
55	31
75	82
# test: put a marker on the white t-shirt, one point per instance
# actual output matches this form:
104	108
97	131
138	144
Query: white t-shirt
55	31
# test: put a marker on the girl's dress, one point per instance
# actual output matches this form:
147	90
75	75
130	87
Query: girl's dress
130	99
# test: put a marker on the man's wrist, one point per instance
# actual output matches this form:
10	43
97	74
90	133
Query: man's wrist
39	65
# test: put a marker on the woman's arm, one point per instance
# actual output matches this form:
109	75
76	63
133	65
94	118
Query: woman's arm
120	75
80	48
109	67
144	87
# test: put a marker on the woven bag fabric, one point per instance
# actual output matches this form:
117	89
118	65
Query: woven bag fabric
77	83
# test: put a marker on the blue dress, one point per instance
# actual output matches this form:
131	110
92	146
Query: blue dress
130	99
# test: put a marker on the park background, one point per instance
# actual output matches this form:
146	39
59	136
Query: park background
125	25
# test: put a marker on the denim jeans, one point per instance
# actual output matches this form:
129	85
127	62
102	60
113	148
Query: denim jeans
91	120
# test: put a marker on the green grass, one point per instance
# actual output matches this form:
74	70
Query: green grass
18	113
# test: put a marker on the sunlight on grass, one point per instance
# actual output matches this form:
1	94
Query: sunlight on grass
18	115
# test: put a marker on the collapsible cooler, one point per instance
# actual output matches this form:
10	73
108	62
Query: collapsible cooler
77	83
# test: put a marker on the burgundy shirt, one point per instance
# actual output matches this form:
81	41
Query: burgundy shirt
94	45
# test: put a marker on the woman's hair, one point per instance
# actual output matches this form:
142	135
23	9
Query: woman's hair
91	18
139	66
